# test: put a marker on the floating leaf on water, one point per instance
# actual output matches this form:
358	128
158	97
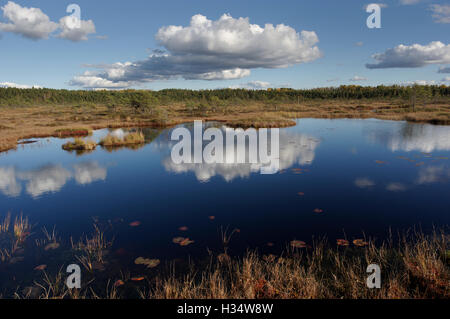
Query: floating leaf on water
342	242
237	230
380	162
137	278
360	242
186	242
40	267
301	194
119	283
212	217
150	263
183	228
52	246
177	240
298	244
135	224
318	210
270	244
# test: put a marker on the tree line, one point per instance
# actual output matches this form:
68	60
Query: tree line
143	98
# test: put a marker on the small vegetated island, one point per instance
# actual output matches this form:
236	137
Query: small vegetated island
129	139
80	145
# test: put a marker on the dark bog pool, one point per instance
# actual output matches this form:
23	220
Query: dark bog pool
355	178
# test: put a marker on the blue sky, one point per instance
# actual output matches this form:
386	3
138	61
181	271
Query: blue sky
125	32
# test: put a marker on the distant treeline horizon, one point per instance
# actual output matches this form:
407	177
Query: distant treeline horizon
44	96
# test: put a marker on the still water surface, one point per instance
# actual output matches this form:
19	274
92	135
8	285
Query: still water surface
366	175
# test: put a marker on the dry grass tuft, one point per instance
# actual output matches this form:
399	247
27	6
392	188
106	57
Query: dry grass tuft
79	144
129	139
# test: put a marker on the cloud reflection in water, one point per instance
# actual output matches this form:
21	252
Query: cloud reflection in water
295	149
48	178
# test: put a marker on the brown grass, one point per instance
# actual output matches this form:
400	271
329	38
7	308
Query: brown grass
129	139
64	121
417	266
79	144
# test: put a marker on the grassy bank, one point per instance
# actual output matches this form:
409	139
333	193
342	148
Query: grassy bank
412	266
43	113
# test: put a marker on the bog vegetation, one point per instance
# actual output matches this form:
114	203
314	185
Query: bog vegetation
143	101
412	266
30	113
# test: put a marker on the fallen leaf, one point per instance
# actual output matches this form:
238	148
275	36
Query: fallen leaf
318	210
183	228
150	263
52	246
177	240
212	217
137	278
342	242
40	267
135	224
186	242
119	283
301	194
360	242
298	244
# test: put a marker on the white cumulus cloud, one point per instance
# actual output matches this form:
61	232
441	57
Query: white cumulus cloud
75	34
412	56
31	23
223	49
34	24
